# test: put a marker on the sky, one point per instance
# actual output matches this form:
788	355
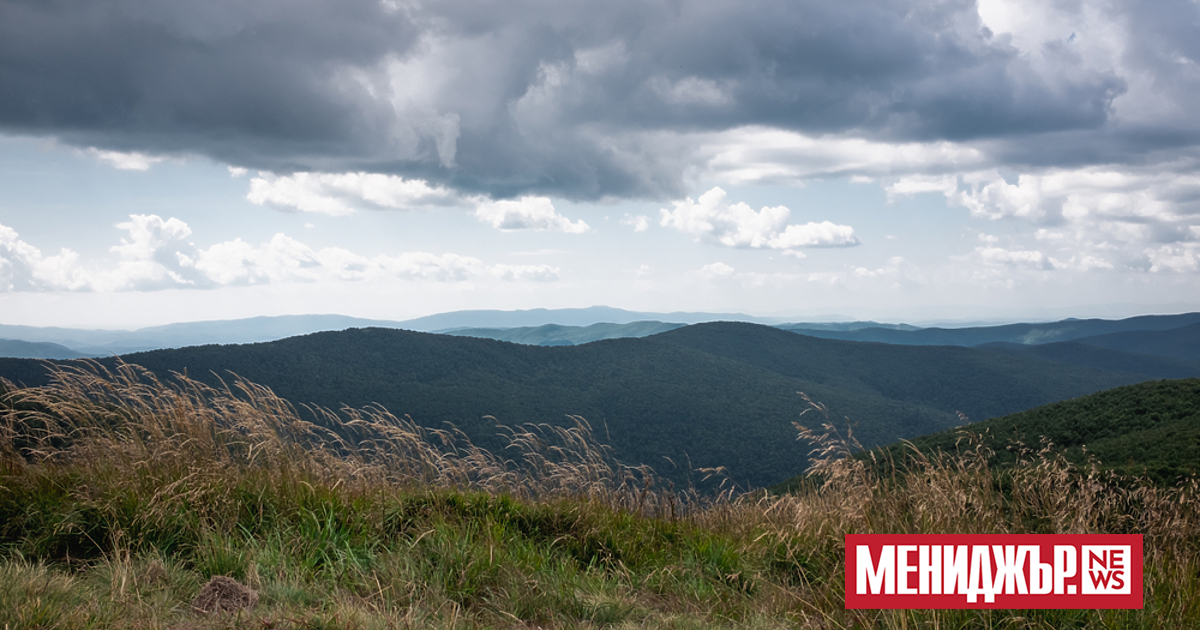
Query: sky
898	160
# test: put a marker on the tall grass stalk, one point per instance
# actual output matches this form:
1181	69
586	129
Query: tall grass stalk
121	493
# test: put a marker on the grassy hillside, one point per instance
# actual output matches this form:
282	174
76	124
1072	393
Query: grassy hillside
1148	429
120	498
711	394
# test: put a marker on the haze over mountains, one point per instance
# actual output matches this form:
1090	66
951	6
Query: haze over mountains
1025	334
1154	334
94	343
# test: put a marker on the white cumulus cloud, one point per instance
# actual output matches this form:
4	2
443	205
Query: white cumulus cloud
1082	219
823	234
340	194
527	213
639	223
713	218
23	267
717	270
125	161
1174	258
156	254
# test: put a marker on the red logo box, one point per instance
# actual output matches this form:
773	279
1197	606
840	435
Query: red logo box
993	571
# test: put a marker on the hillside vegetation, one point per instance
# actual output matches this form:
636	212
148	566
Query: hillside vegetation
557	335
121	495
1025	334
1150	429
1081	354
1180	343
703	396
38	350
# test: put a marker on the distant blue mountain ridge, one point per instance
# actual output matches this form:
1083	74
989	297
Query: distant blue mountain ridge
1173	336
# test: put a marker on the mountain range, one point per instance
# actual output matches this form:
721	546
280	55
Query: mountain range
704	395
574	326
1022	334
84	343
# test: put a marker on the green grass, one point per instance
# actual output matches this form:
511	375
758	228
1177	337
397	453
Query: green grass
121	496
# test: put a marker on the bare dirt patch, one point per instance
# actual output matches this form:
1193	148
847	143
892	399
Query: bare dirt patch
224	594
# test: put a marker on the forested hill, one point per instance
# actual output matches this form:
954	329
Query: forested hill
979	384
718	394
1151	429
36	350
1180	343
1025	334
556	335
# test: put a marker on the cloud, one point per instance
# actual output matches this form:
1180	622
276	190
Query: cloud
133	161
1091	218
342	194
717	270
1075	118
155	254
516	273
590	99
639	223
1174	258
345	193
758	154
714	219
823	234
527	213
895	267
280	259
23	267
1019	258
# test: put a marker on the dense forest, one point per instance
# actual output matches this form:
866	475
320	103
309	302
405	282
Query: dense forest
1150	429
1084	330
708	395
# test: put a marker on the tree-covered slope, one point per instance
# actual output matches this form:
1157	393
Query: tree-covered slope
557	335
37	350
1027	334
1150	428
1181	343
712	395
1082	354
980	384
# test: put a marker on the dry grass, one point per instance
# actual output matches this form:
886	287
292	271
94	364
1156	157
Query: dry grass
359	518
127	422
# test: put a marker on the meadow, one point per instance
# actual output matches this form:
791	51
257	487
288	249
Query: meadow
122	494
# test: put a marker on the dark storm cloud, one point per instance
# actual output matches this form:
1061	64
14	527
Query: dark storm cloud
243	81
575	98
